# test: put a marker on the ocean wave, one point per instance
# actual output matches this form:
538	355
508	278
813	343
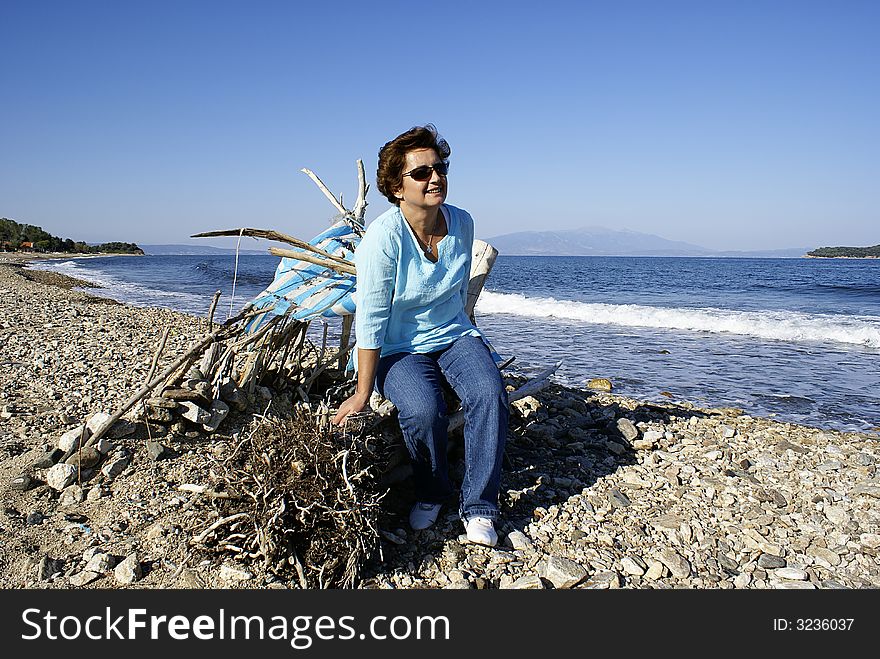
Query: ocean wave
777	325
127	292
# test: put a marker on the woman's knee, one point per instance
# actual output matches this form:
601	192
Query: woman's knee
423	411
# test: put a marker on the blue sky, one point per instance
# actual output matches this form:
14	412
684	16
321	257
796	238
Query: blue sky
731	125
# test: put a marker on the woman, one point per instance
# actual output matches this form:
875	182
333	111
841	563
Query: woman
413	335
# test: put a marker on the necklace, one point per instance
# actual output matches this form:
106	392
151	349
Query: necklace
429	252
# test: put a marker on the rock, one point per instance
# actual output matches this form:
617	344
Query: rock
122	428
85	458
627	428
83	578
871	489
630	566
527	582
129	570
655	571
232	395
600	384
34	518
234	574
72	495
563	572
179	395
618	499
60	476
603	580
837	515
115	467
100	563
870	540
519	540
219	411
677	564
527	407
22	483
194	413
792	573
104	446
770	562
70	440
49	567
96	421
48	458
156	451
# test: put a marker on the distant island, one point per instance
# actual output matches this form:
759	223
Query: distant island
846	252
15	237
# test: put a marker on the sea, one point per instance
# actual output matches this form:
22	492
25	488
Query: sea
795	340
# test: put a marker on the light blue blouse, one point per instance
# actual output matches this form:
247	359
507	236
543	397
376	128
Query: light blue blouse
405	302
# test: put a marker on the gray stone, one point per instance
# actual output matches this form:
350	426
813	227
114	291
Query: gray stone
194	413
837	515
96	421
129	570
234	574
72	495
770	562
618	499
603	580
48	458
677	564
563	572
115	467
527	582
870	489
631	566
122	428
70	440
627	428
219	411
60	476
104	446
83	578
156	451
48	567
22	483
792	573
85	458
519	540
100	563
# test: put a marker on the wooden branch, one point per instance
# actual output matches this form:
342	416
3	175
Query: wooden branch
481	264
347	322
325	190
214	301
271	235
158	353
360	208
341	268
216	525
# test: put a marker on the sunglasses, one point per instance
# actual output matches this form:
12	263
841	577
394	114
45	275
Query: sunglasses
423	172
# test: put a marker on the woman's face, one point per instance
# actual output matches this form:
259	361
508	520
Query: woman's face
422	194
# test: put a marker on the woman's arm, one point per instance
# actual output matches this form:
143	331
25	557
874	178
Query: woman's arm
368	359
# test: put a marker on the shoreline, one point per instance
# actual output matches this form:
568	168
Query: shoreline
619	492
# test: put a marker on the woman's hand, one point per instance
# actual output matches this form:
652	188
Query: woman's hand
356	403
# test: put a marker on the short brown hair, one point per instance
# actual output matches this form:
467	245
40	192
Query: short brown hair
392	157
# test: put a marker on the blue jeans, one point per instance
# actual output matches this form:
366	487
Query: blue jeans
414	383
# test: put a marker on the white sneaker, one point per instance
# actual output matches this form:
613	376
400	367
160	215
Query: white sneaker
424	515
481	531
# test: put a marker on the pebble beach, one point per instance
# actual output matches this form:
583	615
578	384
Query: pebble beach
599	490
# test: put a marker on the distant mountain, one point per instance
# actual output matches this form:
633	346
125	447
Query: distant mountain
592	241
600	241
194	250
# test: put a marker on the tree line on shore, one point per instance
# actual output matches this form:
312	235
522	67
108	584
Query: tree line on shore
850	252
16	237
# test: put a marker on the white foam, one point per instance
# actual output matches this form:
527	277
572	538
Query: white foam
128	292
778	325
